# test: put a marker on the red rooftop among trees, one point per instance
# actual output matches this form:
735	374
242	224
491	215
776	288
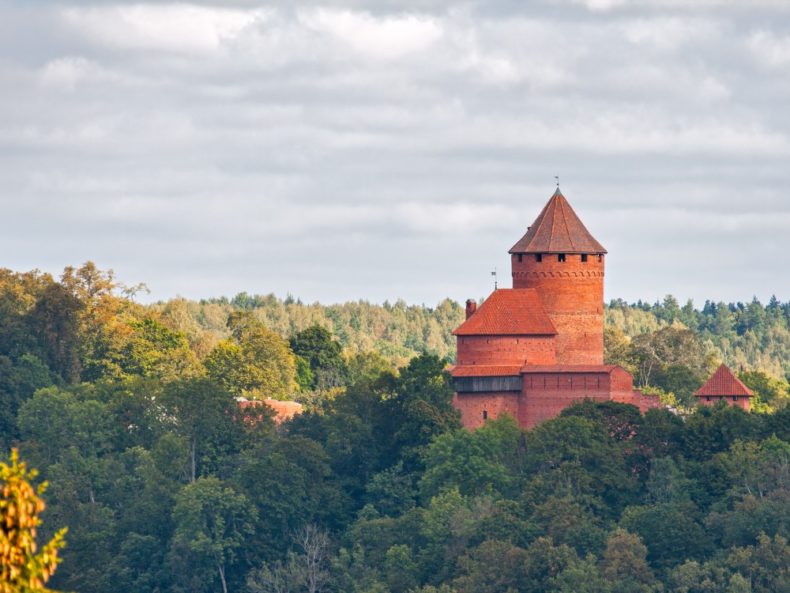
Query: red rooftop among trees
725	386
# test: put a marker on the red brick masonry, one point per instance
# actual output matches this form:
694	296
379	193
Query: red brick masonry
535	349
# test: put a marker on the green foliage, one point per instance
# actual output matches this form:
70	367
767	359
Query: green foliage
211	524
473	462
255	362
323	355
23	568
770	391
167	484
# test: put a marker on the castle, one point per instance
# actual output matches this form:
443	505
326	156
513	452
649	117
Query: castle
534	349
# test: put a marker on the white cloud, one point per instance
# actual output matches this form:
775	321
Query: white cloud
770	49
166	27
668	33
66	72
384	37
686	5
222	137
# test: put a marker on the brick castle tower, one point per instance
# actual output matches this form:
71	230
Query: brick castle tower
560	259
532	350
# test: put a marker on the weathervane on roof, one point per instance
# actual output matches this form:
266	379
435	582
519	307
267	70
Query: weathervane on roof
494	275
557	179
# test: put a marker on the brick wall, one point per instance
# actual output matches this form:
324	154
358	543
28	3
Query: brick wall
545	395
572	295
506	350
742	402
477	407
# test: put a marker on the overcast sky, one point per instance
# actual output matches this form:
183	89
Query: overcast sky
382	150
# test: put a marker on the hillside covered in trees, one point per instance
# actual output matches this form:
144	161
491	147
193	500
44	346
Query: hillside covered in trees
668	348
131	413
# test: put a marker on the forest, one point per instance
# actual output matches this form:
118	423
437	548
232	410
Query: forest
130	413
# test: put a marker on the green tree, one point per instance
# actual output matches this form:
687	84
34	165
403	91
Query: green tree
771	391
207	416
473	462
624	564
323	354
669	346
492	567
212	523
421	407
670	532
766	565
255	362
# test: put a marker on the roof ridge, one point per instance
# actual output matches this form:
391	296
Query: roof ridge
565	219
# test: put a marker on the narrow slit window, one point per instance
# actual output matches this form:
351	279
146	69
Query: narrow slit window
561	257
600	258
520	257
584	258
485	414
538	257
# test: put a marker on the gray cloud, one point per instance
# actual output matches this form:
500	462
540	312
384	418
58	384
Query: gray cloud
382	150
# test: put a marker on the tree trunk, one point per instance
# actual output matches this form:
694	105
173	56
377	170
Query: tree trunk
192	455
222	578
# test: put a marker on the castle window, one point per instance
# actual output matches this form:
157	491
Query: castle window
561	257
520	257
485	414
735	399
600	258
584	258
538	257
707	399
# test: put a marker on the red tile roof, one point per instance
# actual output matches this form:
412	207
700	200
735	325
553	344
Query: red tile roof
557	229
569	368
283	410
724	383
508	312
485	370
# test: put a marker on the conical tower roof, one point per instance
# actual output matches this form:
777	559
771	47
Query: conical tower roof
557	229
723	383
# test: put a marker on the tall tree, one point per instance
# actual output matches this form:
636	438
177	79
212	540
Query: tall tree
212	523
255	362
323	354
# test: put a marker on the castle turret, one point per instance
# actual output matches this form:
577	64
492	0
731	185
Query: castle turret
565	264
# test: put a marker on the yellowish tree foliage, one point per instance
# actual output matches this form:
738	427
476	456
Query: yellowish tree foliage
23	569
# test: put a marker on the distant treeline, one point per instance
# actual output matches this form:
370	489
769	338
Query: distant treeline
667	347
749	336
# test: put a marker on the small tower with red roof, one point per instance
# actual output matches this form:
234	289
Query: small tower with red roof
725	386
